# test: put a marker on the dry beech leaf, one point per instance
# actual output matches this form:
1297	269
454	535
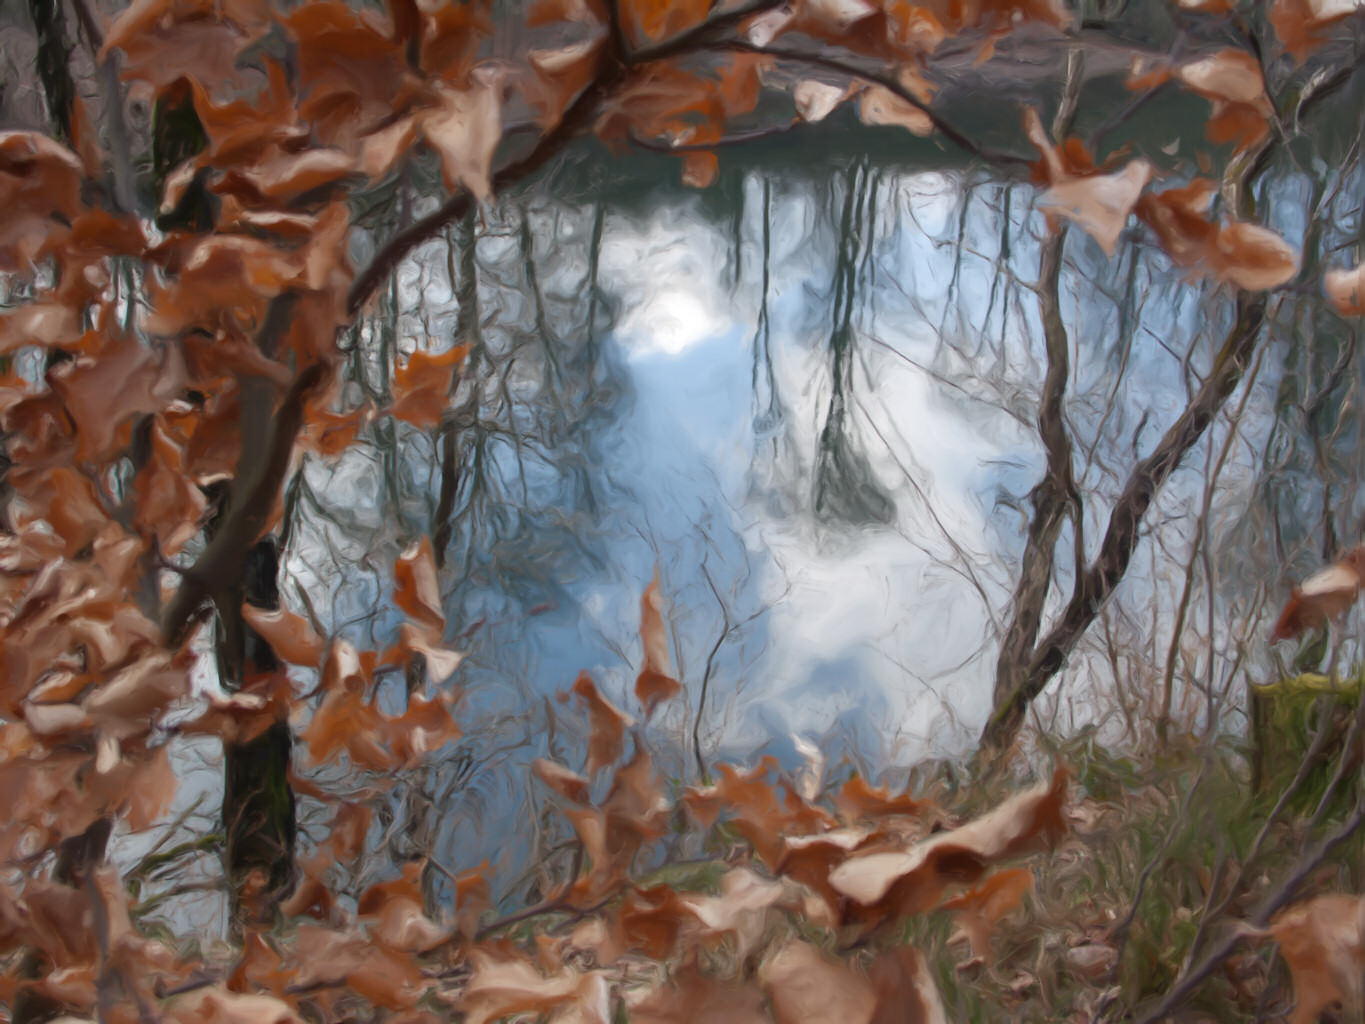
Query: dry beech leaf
289	635
394	910
815	101
700	169
1100	203
979	910
906	990
1322	597
655	683
423	385
880	106
912	878
416	590
806	988
568	784
1323	942
499	988
465	131
607	724
690	997
1346	290
739	910
219	1006
1301	24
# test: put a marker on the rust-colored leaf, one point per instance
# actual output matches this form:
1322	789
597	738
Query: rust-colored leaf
655	683
606	722
913	879
416	590
1322	597
979	910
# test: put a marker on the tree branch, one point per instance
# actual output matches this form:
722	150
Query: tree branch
1095	586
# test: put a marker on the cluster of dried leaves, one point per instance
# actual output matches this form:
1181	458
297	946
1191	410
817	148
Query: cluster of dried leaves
150	360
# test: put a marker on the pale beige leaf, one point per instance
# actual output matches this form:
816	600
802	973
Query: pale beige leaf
1100	203
1346	290
880	106
465	130
806	988
815	101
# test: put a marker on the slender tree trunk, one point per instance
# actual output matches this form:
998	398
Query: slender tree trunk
1095	585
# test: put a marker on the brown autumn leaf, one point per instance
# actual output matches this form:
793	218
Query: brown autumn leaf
857	799
979	910
878	105
1100	203
441	661
394	912
739	910
607	724
352	75
690	997
1232	80
465	130
700	169
499	987
911	880
1346	290
290	636
804	987
816	100
38	323
1322	941
654	20
416	589
1324	596
1246	255
104	391
906	990
423	385
40	185
568	784
655	683
330	956
346	834
1302	24
167	504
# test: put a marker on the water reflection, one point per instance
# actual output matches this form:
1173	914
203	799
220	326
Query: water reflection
816	416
